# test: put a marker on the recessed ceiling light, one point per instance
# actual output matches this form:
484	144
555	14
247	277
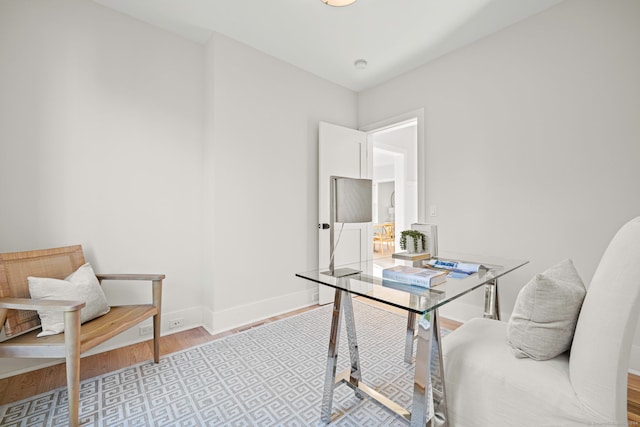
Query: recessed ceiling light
338	2
360	64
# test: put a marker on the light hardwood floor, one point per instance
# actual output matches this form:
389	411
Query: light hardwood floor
633	400
22	386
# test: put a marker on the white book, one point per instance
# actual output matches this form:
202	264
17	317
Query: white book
416	276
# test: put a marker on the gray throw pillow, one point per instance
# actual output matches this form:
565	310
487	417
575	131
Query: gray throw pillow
546	312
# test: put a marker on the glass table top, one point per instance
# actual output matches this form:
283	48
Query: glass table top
364	278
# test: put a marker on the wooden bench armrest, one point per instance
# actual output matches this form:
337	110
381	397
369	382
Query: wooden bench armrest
130	276
156	279
40	304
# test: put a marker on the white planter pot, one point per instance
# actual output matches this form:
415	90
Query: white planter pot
411	248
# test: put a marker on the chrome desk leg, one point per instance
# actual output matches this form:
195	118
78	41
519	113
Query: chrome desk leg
411	331
429	395
332	360
341	303
441	417
411	335
355	375
491	300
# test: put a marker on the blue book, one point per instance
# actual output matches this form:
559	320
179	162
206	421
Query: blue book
456	266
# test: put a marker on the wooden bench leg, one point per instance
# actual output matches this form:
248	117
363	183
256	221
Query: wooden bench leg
72	345
156	338
157	298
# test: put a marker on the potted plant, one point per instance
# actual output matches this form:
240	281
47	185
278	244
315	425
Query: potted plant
413	241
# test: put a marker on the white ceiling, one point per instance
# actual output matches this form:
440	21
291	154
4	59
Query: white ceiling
393	36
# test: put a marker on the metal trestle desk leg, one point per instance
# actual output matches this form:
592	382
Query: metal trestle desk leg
342	303
429	397
352	376
491	300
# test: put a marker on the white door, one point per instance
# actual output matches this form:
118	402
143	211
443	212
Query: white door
342	152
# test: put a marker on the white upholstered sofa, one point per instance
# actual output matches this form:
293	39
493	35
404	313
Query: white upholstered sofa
486	385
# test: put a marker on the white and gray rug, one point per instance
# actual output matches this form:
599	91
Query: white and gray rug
271	375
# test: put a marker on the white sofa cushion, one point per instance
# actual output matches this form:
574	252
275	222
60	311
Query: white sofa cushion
487	386
546	312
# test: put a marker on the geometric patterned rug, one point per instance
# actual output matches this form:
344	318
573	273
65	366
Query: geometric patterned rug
270	375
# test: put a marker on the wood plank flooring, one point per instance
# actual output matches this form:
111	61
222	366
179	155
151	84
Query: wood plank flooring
633	400
22	386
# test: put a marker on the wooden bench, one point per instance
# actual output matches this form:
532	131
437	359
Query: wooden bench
19	319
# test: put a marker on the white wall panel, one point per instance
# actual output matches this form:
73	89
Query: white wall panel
101	120
532	138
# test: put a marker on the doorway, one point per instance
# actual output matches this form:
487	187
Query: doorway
349	152
395	184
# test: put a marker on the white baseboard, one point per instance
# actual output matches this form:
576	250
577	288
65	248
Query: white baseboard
234	317
11	366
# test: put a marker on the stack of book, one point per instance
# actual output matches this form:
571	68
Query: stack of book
416	276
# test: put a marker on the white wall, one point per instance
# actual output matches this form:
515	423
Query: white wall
100	144
261	185
385	190
532	139
157	154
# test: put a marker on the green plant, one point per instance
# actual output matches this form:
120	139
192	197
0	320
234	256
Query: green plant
415	235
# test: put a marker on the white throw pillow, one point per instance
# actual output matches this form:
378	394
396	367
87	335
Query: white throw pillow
546	313
81	285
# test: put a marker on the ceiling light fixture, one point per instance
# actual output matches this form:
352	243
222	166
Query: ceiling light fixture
338	3
360	64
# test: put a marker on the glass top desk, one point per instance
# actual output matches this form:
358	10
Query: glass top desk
365	279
